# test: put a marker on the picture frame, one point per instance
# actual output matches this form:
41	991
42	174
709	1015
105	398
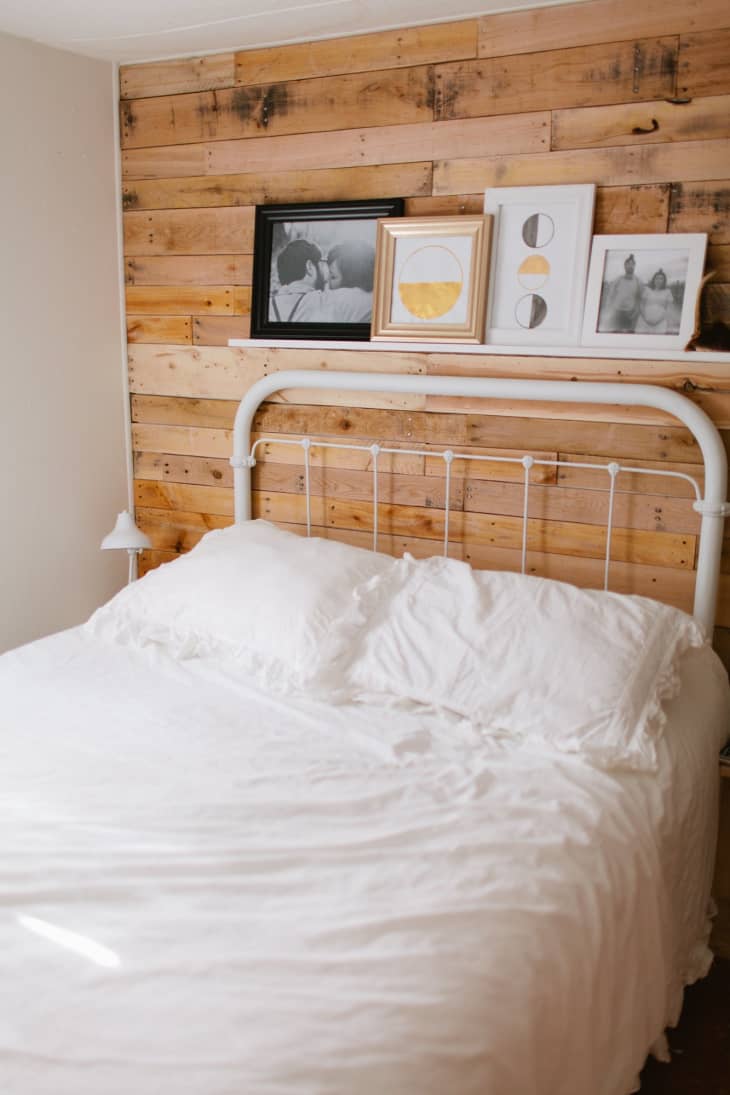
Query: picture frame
292	294
431	279
540	251
642	290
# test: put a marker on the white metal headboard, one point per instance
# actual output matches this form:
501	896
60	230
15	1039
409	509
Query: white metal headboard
713	507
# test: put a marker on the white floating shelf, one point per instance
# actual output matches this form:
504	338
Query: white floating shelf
606	353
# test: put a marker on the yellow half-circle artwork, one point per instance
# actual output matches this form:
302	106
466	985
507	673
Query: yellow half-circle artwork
533	272
431	282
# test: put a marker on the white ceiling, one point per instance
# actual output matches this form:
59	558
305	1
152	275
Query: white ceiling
141	30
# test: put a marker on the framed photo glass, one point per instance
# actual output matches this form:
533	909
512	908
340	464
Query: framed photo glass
313	268
430	281
642	290
542	239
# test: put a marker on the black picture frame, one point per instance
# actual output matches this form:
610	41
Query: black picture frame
324	226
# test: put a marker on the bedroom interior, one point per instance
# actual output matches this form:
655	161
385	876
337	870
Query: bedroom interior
632	98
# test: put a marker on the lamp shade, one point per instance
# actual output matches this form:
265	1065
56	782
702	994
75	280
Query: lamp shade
125	534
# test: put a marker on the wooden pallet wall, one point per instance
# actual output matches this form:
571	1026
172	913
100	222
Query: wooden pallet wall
634	97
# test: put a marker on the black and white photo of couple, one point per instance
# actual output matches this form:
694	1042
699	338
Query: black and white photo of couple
322	272
643	292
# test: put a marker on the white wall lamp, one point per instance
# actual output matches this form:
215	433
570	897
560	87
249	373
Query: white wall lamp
127	536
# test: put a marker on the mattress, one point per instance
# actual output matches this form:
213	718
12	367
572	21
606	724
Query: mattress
208	890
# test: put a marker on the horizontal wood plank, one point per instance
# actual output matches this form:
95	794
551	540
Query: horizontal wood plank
616	72
702	207
217	70
358	53
552	27
572	474
217	330
610	439
182	411
655	122
685	161
216	300
704	62
631	209
159	329
387	97
189	232
211	191
187	270
169	160
361	147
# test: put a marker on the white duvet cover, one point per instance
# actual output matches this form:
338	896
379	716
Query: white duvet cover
293	899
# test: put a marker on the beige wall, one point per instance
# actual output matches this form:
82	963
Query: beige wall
62	426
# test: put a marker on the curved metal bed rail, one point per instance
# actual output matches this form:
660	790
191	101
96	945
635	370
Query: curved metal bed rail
713	507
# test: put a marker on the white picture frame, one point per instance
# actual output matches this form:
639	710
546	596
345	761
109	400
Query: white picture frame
540	249
628	302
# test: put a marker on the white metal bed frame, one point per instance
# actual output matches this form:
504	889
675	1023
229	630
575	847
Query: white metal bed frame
712	507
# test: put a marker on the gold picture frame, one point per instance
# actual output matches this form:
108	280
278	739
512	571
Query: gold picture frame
431	279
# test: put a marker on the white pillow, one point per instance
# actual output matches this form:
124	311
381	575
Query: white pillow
281	605
579	670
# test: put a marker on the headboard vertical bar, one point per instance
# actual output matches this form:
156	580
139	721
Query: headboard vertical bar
375	450
613	470
448	458
527	462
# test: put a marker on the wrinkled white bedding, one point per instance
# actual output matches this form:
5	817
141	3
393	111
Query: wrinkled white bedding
312	900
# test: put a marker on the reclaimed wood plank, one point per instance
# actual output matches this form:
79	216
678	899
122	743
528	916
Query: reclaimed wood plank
219	300
217	330
210	501
614	72
209	73
702	207
494	469
633	209
168	467
182	440
387	97
225	373
552	27
175	530
158	163
570	474
685	161
217	373
357	486
183	411
189	231
358	53
706	118
150	559
704	61
445	205
347	183
649	512
188	270
429	140
610	439
159	329
529	132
